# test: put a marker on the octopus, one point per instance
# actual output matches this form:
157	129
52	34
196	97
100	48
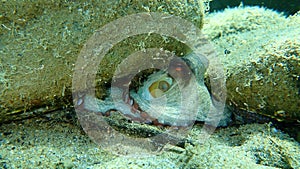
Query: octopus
174	95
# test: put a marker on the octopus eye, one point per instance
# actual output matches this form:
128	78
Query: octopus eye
158	88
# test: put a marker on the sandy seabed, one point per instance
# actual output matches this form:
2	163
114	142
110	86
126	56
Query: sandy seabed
59	143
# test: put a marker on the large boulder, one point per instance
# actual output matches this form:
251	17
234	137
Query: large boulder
40	42
260	50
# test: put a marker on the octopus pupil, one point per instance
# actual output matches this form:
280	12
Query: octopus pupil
163	85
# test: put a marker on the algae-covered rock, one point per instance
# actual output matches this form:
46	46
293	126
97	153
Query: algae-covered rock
261	51
40	42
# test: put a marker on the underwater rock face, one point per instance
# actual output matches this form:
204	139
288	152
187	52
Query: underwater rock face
262	55
41	42
261	51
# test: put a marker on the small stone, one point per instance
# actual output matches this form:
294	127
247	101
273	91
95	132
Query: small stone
68	164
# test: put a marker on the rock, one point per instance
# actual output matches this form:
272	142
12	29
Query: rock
260	50
40	42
